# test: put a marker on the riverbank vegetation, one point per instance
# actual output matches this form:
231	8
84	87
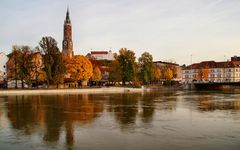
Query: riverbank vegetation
46	65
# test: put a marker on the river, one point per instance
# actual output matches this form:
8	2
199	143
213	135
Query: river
155	120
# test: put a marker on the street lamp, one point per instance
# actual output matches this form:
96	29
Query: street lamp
191	68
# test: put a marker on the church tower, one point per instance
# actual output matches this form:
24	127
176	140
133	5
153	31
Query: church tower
67	43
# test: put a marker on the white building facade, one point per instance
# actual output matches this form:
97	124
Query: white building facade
3	67
211	71
101	55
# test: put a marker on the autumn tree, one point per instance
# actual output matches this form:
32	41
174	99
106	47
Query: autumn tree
20	64
97	74
203	74
38	74
168	74
80	68
114	73
53	60
13	66
146	67
157	73
126	59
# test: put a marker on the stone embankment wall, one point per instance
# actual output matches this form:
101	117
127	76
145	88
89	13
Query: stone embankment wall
71	91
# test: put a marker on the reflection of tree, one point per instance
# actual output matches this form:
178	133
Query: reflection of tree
168	100
147	108
54	119
128	107
78	108
25	112
125	108
19	115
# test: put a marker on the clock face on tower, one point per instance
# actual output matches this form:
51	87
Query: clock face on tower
65	43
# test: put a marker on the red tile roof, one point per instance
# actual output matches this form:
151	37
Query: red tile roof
99	52
213	64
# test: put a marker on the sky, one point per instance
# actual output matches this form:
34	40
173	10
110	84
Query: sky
170	30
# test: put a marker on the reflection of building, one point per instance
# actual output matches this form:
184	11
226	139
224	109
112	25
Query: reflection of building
228	71
101	55
3	68
67	37
205	104
176	68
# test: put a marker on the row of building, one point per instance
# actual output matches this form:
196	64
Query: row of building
211	71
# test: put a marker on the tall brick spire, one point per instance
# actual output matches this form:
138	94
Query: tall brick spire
67	36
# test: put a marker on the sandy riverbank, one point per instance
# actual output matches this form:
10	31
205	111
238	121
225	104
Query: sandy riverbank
71	91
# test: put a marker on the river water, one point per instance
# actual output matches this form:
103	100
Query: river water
158	120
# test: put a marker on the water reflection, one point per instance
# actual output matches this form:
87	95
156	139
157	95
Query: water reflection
57	117
206	103
27	113
24	112
148	107
125	108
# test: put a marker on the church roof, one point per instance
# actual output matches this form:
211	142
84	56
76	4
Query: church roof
67	20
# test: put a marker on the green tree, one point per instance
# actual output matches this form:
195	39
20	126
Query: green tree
54	65
146	67
126	59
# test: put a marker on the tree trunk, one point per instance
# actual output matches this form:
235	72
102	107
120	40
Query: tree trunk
22	84
124	82
36	82
16	84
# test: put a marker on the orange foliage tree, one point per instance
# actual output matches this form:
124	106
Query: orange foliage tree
80	68
37	72
203	74
157	74
97	74
168	74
